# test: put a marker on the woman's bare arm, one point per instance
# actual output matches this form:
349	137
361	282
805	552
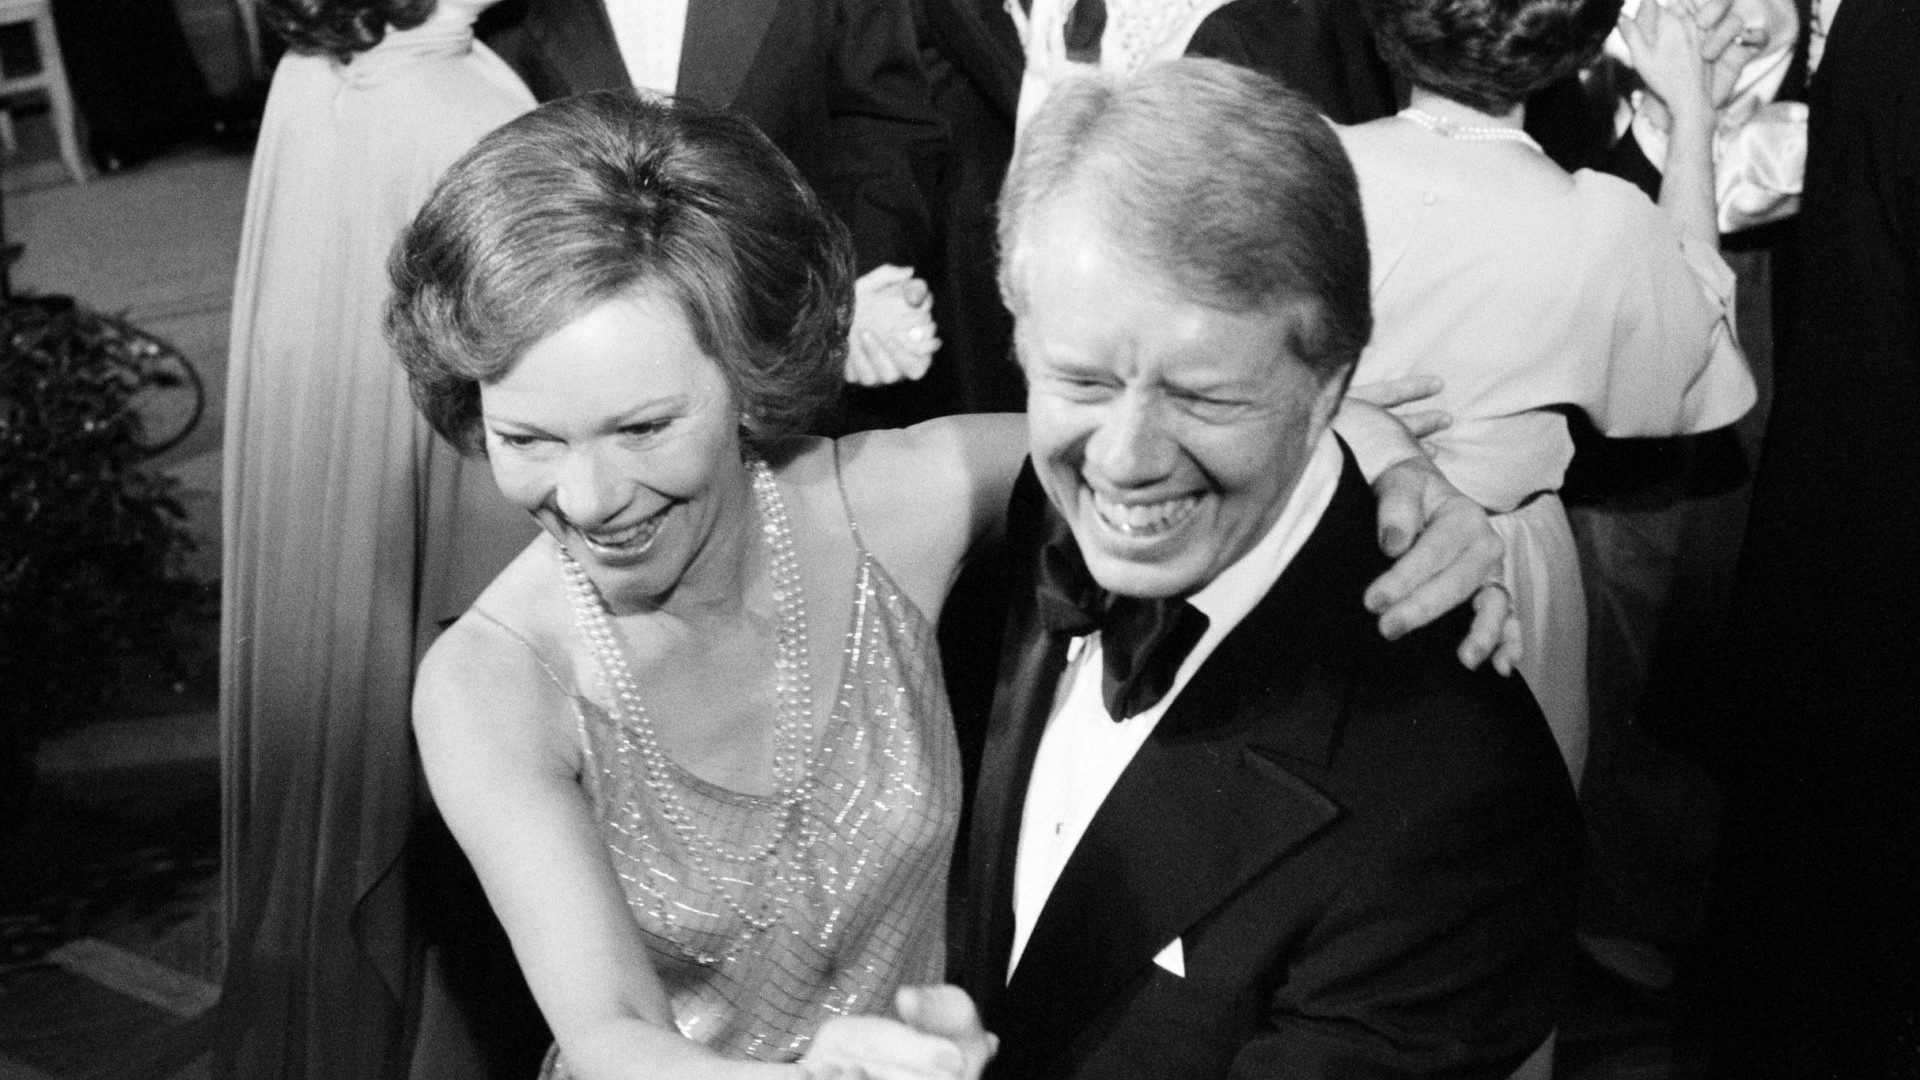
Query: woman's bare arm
496	738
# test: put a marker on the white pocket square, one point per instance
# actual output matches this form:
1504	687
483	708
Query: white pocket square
1173	958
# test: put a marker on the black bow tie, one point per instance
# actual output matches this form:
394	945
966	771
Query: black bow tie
1143	641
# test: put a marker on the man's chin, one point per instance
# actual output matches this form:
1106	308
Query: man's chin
1148	581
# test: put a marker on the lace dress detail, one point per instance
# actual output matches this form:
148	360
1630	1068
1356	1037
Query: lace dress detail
868	915
1138	31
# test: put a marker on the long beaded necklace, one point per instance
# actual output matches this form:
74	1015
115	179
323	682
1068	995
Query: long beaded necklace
1453	129
793	722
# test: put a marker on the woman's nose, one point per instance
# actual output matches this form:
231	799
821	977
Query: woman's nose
589	491
1131	446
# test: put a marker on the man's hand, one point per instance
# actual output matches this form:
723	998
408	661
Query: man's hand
894	336
1446	553
1394	395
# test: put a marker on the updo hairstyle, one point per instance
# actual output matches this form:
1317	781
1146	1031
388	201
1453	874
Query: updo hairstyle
340	28
1490	54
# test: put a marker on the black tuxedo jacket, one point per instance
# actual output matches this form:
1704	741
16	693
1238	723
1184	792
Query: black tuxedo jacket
836	84
1367	853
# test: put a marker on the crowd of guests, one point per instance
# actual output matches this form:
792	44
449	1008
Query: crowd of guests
885	539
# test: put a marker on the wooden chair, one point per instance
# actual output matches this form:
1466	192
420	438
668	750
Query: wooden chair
51	80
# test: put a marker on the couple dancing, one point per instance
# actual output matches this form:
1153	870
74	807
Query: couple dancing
1228	822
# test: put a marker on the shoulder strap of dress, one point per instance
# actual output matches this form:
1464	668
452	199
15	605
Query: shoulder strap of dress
552	675
585	737
853	524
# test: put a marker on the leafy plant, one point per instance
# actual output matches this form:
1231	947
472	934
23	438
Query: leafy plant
92	581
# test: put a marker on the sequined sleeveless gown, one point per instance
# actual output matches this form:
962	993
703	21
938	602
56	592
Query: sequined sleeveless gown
867	914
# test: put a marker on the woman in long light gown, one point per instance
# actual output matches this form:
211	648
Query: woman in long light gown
350	530
1528	290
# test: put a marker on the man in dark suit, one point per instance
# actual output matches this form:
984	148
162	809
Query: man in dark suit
836	84
1811	963
1224	827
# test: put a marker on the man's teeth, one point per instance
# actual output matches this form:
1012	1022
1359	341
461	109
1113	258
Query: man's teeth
1144	519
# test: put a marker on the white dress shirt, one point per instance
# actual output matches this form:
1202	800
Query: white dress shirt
649	34
1083	750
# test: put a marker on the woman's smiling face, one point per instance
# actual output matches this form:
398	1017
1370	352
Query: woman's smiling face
622	436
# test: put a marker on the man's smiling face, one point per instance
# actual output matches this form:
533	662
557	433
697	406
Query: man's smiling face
1169	433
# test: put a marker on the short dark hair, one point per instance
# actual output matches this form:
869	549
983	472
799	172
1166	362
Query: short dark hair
590	197
1224	179
1490	54
340	28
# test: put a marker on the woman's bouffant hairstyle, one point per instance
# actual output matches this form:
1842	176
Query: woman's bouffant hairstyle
590	197
1229	183
1490	54
340	28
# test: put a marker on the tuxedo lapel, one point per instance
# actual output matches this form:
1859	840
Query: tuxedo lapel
723	37
1189	822
1031	662
1213	797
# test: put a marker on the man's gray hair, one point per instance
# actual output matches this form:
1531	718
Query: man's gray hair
1219	177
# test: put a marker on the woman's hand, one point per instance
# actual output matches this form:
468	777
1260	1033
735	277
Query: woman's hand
876	1048
1728	41
947	1011
1446	552
1669	53
893	337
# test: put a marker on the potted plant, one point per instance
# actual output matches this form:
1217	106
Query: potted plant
92	580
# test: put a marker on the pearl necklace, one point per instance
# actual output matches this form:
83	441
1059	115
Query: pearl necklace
1453	129
793	722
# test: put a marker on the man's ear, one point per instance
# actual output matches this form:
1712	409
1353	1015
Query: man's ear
1326	400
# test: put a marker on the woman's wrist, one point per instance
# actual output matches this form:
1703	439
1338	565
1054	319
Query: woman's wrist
1691	120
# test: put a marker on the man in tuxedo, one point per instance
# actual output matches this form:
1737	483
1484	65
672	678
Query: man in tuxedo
1224	827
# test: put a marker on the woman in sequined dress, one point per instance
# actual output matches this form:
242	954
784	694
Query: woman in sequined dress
635	349
632	308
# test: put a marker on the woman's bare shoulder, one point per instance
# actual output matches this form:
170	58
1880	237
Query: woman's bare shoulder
925	495
941	474
509	658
